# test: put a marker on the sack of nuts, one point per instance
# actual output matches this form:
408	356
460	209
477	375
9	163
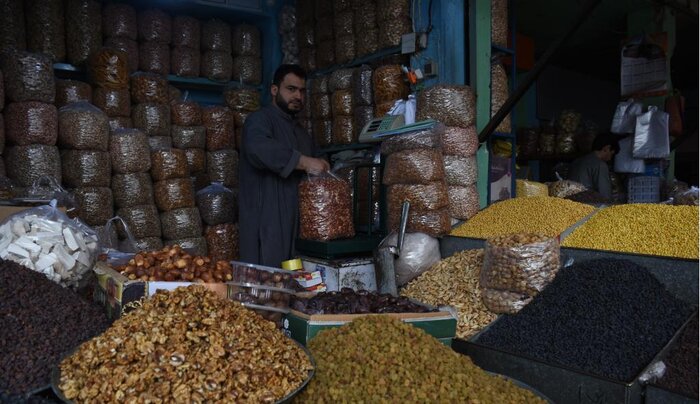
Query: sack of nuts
516	268
325	208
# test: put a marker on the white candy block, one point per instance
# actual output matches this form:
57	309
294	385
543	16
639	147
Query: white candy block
46	261
26	243
17	250
70	239
18	228
64	258
81	241
4	254
82	257
4	242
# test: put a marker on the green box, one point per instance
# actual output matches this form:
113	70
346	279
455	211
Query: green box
303	327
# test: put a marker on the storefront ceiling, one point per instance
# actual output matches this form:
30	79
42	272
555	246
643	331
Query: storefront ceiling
594	49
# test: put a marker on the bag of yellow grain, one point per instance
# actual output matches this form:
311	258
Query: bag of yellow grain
516	268
524	188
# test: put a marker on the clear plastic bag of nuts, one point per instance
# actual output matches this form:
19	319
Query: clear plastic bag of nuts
420	166
521	265
325	207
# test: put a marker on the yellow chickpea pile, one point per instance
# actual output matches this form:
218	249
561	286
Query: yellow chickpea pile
543	215
650	229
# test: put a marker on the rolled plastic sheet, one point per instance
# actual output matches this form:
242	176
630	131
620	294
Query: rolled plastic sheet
85	168
31	122
83	126
132	189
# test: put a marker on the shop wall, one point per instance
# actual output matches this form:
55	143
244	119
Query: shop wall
559	89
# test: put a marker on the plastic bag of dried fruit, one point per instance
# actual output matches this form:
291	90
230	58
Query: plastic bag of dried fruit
325	208
63	249
564	188
516	268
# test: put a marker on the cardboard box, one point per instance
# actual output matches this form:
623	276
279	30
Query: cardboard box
303	327
354	273
119	295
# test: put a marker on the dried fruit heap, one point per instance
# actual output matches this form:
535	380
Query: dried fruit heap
188	345
381	359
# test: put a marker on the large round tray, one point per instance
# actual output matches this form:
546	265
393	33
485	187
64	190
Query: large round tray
56	378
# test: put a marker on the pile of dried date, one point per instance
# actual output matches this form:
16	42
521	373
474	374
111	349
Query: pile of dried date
188	345
348	301
172	263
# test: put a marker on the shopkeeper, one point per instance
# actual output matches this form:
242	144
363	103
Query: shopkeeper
592	170
275	153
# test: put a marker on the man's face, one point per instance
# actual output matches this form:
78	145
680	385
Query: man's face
289	96
608	153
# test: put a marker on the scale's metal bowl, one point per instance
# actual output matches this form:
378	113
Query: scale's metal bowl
56	379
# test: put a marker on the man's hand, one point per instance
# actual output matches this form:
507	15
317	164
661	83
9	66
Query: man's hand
313	165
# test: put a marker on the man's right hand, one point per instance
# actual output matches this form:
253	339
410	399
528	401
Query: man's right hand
312	165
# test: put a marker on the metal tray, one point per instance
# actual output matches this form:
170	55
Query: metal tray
560	383
56	378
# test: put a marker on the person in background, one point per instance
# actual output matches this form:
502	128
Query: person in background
275	153
592	170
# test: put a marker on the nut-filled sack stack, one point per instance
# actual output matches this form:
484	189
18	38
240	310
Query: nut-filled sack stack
306	38
83	133
516	268
185	58
394	20
287	28
247	63
342	105
132	188
325	208
120	31
388	85
151	110
322	120
174	197
415	172
343	29
365	26
363	98
155	34
222	157
83	29
46	32
190	135
3	173
109	74
454	106
217	63
323	33
218	207
31	119
243	101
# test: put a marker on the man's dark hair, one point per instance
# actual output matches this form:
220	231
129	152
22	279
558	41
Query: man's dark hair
284	70
604	139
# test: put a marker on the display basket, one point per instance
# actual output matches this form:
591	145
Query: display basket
644	189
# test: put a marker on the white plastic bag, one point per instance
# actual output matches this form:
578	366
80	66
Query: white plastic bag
625	117
624	161
651	135
418	253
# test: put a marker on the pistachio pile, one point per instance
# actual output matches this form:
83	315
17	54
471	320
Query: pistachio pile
454	281
381	359
187	345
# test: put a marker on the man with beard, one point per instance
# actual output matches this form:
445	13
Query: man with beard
275	153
